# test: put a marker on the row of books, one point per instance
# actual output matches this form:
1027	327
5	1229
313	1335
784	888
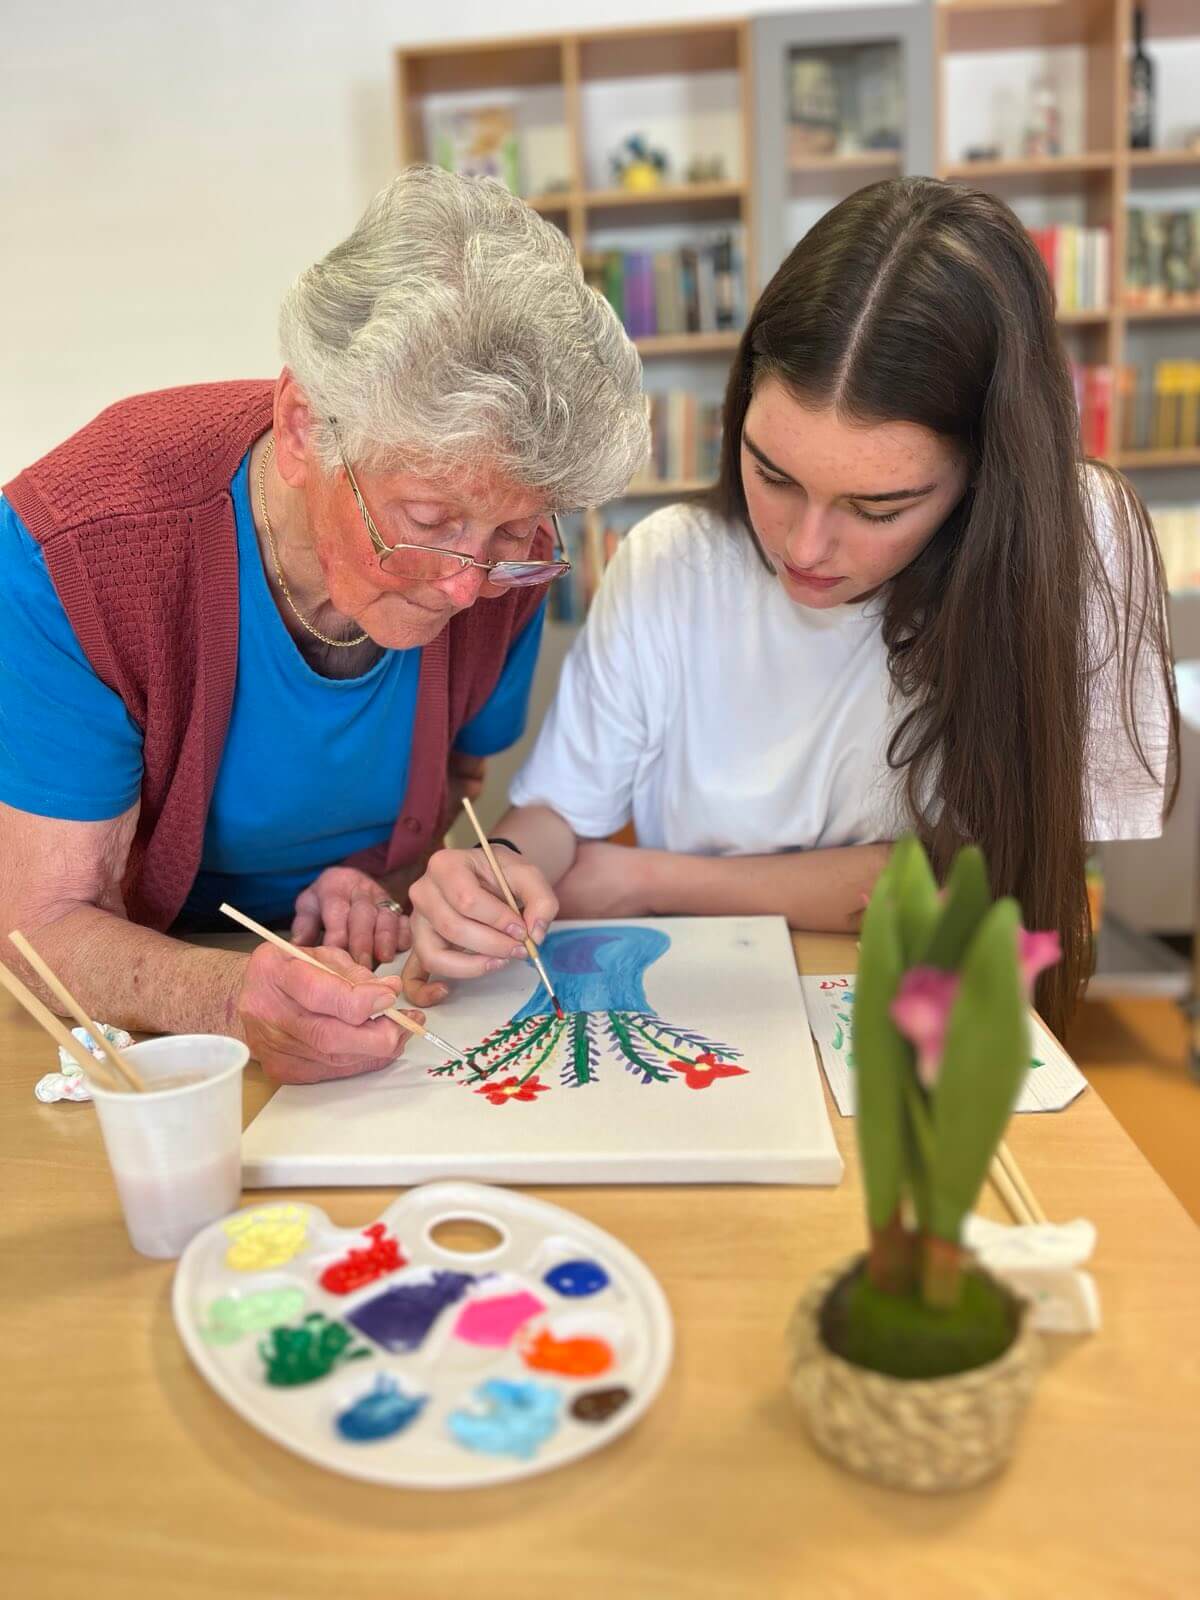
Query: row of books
1079	261
1178	530
699	288
591	540
1162	256
1160	409
1094	397
685	435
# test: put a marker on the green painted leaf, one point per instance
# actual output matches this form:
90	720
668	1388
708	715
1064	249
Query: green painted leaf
882	1058
966	904
916	897
987	1052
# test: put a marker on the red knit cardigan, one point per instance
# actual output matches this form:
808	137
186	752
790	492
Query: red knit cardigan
135	519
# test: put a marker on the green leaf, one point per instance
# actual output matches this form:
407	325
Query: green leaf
966	904
915	890
984	1060
882	1059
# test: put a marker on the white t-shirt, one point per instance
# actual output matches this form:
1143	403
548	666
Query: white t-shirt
724	719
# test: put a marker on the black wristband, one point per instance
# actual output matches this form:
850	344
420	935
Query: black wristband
507	842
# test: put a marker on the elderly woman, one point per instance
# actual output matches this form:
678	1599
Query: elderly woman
257	634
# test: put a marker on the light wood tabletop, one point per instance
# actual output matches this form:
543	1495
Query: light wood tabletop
122	1474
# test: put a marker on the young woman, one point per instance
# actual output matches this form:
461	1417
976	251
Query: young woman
908	603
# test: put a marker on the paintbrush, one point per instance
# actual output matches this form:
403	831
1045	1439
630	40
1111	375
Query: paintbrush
393	1014
531	949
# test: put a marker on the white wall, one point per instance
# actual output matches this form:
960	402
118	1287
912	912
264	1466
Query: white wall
166	168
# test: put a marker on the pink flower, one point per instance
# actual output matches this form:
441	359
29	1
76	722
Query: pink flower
1036	952
921	1011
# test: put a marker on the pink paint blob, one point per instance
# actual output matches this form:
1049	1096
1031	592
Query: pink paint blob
492	1322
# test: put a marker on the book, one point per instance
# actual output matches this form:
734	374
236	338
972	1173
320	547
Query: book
699	288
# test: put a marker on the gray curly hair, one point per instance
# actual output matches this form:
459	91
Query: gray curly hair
454	327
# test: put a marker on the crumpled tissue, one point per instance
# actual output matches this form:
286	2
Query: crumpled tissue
1040	1262
69	1083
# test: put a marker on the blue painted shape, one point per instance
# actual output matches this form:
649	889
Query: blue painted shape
380	1413
576	1278
517	1418
597	969
401	1317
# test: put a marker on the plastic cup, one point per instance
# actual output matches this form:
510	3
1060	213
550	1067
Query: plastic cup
176	1151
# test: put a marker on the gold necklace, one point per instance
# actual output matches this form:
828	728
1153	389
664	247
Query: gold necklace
336	644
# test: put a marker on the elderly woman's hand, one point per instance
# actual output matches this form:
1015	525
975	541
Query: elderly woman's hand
347	910
305	1026
462	926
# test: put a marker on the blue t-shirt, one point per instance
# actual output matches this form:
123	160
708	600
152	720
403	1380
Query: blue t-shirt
313	768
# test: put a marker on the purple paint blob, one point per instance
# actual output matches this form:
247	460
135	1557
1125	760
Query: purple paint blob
400	1318
493	1322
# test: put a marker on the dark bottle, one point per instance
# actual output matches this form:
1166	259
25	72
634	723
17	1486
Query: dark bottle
1141	89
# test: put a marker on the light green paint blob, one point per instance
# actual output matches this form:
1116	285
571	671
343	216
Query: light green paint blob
233	1316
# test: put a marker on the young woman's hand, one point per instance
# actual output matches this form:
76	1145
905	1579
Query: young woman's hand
347	910
607	880
463	927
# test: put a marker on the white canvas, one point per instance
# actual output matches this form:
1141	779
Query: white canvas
724	988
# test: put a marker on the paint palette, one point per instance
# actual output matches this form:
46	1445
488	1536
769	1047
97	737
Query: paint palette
384	1354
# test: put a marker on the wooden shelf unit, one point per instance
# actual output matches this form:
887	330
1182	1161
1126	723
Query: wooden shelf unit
567	63
1104	173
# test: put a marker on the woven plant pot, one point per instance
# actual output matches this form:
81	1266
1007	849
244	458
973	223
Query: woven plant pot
924	1434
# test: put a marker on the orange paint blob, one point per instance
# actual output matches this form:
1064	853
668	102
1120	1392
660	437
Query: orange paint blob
570	1358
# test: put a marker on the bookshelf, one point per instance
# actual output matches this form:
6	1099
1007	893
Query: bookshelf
795	185
1094	182
574	96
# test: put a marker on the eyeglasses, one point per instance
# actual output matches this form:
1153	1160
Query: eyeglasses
429	563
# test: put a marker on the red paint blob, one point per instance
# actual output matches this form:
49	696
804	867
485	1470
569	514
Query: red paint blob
363	1265
570	1358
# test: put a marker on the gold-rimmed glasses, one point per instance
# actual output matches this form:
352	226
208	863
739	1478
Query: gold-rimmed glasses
428	563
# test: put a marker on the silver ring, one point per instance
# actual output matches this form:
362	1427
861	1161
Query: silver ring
392	905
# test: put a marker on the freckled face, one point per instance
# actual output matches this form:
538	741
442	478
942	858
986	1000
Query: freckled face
841	506
485	516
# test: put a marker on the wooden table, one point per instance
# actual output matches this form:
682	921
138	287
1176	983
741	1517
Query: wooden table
123	1475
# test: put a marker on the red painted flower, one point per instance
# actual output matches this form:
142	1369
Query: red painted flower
700	1073
512	1089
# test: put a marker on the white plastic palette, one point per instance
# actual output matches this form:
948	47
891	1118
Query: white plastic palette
379	1353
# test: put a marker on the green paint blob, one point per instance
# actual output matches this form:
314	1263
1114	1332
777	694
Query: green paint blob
303	1354
233	1316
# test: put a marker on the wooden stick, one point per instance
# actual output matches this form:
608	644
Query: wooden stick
124	1070
531	949
1008	1192
1020	1183
393	1014
61	1035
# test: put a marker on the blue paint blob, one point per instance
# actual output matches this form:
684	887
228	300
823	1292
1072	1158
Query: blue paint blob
385	1410
575	1278
516	1419
400	1318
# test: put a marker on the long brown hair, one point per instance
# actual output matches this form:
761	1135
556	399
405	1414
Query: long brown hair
922	302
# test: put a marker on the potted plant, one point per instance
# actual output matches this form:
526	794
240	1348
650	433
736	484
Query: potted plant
911	1364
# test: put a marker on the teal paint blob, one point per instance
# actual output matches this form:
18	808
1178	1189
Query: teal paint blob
516	1418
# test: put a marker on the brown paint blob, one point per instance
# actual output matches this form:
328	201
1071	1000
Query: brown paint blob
597	1405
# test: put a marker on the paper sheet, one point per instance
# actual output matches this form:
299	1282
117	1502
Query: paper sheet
1052	1082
